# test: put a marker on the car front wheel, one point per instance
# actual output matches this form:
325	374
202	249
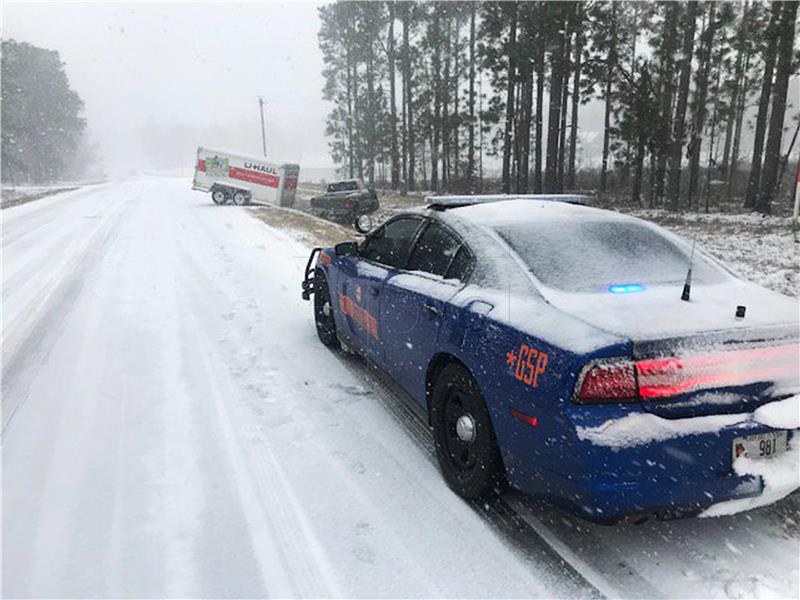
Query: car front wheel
462	429
323	312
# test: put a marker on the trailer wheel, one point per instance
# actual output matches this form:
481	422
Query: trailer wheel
219	197
240	199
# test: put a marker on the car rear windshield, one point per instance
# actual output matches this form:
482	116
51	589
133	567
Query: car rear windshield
586	255
343	186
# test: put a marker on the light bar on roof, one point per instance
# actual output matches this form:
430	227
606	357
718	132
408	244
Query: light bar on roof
467	200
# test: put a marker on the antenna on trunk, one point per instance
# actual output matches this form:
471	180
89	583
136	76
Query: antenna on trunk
687	285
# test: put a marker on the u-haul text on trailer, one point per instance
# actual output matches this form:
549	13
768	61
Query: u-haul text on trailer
239	179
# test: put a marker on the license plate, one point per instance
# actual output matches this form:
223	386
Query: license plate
762	445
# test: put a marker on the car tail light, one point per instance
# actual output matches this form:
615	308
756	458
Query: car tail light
609	381
627	380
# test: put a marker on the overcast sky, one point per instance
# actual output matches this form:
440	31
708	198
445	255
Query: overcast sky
170	76
197	64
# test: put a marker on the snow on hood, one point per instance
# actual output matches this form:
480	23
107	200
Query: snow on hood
659	311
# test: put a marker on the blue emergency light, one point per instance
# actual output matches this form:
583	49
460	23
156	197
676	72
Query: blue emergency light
628	288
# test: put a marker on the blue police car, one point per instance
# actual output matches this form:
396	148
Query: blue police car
578	354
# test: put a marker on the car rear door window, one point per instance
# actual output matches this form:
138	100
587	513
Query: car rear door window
461	267
434	251
390	244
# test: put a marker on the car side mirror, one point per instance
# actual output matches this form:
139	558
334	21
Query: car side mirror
363	224
346	249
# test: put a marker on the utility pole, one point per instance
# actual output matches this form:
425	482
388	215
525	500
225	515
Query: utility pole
263	134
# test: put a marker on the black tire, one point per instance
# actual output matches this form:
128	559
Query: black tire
219	197
467	452
240	199
323	312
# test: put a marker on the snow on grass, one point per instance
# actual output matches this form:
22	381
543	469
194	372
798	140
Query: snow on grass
759	249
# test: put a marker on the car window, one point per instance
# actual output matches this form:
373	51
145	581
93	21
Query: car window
592	255
434	251
343	186
461	266
389	245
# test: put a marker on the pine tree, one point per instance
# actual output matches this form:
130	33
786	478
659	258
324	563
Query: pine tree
769	177
770	52
679	122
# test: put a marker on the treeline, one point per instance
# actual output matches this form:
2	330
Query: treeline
423	91
42	123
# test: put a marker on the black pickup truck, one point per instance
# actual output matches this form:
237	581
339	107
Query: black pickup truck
345	200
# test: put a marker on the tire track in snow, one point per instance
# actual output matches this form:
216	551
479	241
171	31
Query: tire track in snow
26	345
283	536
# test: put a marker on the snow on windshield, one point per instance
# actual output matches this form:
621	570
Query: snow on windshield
592	255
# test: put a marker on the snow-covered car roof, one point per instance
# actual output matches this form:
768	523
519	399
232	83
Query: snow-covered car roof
504	212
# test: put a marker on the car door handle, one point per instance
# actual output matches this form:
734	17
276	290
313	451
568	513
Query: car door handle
375	291
431	311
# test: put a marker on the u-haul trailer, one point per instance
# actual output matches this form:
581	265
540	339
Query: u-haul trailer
239	179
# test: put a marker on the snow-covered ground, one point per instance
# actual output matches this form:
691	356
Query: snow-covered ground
173	427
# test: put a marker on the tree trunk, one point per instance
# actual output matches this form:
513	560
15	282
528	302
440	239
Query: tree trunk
562	138
471	132
700	102
350	95
372	116
610	68
512	42
737	86
711	160
444	84
407	85
773	33
576	95
437	99
392	101
676	146
769	179
541	41
456	116
737	128
523	138
554	112
669	48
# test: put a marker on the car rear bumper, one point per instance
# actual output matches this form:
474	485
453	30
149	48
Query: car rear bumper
611	501
670	478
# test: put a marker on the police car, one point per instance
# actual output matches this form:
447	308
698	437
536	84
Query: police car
578	354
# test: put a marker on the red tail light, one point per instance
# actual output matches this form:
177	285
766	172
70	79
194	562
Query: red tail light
609	380
626	380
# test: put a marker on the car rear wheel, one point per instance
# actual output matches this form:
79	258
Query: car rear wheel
323	312
462	430
219	197
240	198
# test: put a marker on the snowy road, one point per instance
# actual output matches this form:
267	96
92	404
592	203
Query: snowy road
173	427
